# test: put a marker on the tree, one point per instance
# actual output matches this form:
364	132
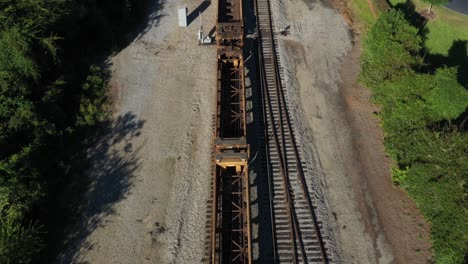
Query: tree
417	110
26	45
94	101
391	49
18	243
448	99
19	190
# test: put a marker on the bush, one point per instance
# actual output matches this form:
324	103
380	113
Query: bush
418	113
94	101
390	49
18	243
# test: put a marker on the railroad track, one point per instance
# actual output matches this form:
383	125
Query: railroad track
297	232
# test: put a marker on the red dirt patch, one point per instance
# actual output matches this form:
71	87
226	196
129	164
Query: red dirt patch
385	208
428	16
397	215
372	8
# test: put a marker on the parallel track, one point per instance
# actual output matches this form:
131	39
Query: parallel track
296	231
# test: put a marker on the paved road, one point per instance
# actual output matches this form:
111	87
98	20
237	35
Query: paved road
458	5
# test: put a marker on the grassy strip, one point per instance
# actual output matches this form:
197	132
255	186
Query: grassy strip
429	152
361	11
423	105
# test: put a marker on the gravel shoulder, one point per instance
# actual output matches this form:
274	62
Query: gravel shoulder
367	219
162	81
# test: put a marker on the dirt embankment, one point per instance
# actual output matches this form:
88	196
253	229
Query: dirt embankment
373	221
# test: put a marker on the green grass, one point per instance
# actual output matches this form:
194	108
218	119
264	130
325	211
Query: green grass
442	34
362	13
396	2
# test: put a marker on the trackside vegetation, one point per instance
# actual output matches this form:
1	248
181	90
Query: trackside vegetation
53	95
423	109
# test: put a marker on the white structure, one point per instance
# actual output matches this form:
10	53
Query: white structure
202	39
183	16
200	35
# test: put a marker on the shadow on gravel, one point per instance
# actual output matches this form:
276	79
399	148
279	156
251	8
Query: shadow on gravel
197	11
262	238
105	149
103	30
151	19
111	173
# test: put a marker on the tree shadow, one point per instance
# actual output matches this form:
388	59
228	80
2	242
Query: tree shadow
92	32
89	198
262	240
151	19
105	29
414	18
457	57
98	160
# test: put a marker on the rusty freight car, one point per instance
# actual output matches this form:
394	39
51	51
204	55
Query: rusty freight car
229	239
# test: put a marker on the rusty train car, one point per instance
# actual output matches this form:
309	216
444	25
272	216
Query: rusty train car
230	219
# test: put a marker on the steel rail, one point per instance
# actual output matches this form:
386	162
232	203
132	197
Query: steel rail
283	133
289	208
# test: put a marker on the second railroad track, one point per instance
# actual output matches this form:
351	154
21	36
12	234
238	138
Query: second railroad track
296	230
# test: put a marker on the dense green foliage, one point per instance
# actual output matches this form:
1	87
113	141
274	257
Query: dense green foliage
51	95
422	116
